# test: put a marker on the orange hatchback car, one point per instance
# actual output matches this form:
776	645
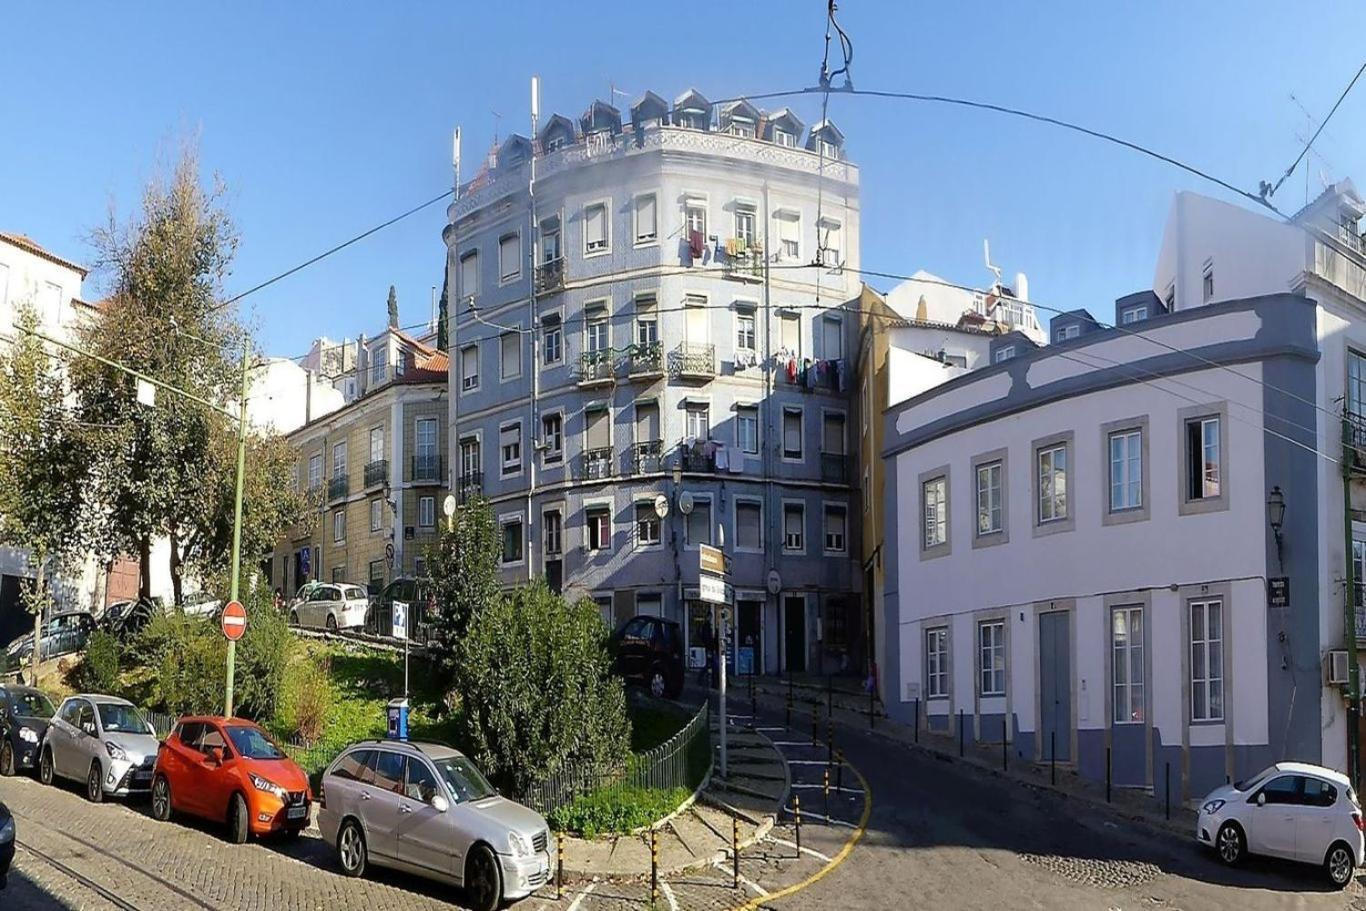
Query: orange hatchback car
229	770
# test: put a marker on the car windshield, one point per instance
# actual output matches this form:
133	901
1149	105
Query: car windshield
252	743
465	781
115	717
31	705
1248	783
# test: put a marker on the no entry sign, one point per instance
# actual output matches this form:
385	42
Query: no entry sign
234	620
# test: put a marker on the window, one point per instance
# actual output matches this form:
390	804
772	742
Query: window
550	240
1319	793
595	229
744	225
832	433
699	527
595	330
1072	330
831	338
831	242
509	257
747	429
510	355
469	368
647	524
1284	790
1126	470
315	471
512	541
647	322
1207	660
935	497
469	275
1052	483
424	436
1356	385
1203	480
785	139
1207	285
937	663
989	517
1003	353
647	221
794	527
426	512
695	215
790	333
744	331
697	421
749	525
376	576
696	322
599	527
510	445
742	126
376	444
469	457
339	460
836	519
552	340
1126	664
789	235
552	529
552	437
338	526
376	514
1134	315
991	657
828	149
792	433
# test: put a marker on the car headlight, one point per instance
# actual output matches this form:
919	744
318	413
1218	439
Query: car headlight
1212	806
518	845
7	831
115	751
29	735
270	787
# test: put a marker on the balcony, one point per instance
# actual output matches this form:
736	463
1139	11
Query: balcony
426	469
647	361
596	368
747	266
694	361
834	468
550	276
647	457
596	464
694	457
338	488
471	485
377	473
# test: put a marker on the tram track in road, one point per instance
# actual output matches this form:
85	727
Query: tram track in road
104	892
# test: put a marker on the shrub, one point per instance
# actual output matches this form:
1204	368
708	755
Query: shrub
616	810
537	690
306	699
465	579
99	672
263	654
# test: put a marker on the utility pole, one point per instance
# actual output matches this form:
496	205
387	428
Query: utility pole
1349	609
237	522
533	323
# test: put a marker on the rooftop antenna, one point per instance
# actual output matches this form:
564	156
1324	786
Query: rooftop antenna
994	270
497	120
455	159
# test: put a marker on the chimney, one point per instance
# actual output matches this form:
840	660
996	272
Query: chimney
308	395
1021	286
362	365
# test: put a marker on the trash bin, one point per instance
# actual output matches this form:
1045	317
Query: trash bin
398	719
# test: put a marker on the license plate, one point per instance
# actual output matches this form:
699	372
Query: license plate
142	776
298	812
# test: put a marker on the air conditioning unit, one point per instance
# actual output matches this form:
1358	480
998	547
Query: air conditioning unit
1336	666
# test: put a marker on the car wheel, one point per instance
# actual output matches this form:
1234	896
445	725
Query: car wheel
94	790
1339	863
161	799
659	684
483	880
331	623
1229	844
239	823
6	759
45	766
351	848
293	618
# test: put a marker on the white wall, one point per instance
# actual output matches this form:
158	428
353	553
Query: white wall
279	399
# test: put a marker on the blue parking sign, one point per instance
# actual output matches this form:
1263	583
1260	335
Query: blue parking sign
400	620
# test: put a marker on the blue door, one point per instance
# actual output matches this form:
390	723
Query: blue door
1055	685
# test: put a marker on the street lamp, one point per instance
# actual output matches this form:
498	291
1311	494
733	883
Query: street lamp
1275	514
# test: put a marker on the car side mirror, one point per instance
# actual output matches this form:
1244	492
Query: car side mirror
88	728
1261	799
216	754
440	804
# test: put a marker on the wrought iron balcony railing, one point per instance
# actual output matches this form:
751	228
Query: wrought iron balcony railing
694	457
596	463
338	487
746	266
691	359
426	469
377	473
647	457
834	467
595	367
550	276
647	360
471	484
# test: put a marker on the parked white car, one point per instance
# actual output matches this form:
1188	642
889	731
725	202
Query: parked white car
332	607
1291	810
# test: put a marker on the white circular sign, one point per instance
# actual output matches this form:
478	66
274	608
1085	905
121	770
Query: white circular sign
685	502
775	582
448	505
661	506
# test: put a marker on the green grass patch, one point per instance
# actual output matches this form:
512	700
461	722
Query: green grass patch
616	810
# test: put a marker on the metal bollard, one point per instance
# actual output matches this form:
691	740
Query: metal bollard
797	819
960	733
753	703
829	741
1005	747
1168	775
829	695
815	731
1107	774
735	850
789	698
839	772
1052	757
654	866
559	865
872	707
825	785
917	719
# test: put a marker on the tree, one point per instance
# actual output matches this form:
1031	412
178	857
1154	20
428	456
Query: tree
44	467
393	308
443	339
464	572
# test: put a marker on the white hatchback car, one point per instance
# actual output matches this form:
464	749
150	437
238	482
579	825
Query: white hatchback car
1291	810
331	606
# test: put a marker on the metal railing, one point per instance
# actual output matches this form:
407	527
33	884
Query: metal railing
647	360
682	761
426	469
596	463
693	359
747	266
338	487
596	366
647	457
471	484
377	473
695	458
550	276
834	467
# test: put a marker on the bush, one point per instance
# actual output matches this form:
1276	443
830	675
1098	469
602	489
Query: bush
616	810
306	699
537	691
100	671
263	655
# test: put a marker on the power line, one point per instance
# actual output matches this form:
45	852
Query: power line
1307	146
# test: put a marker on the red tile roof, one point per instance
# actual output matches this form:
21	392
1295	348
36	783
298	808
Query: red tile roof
28	245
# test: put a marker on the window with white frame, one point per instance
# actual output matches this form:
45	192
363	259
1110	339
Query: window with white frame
469	274
425	445
338	526
552	530
695	217
552	339
595	237
647	219
510	355
599	527
836	523
510	447
697	421
700	527
831	337
794	527
1071	330
790	333
550	240
935	499
937	663
991	657
595	330
1207	660
647	524
828	149
339	460
469	368
1127	668
1207	284
1004	353
376	514
747	429
784	138
744	225
552	437
696	319
1052	462
989	498
469	457
1126	469
1356	386
1203	478
509	257
792	433
426	512
512	540
376	444
749	525
744	330
832	243
315	471
789	235
647	321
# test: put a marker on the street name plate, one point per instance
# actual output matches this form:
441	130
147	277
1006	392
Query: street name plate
715	590
712	560
1278	591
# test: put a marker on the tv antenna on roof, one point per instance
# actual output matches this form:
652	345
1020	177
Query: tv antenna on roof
497	119
986	256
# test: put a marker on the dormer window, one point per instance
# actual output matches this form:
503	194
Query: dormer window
784	138
1004	353
828	149
556	142
693	120
1133	315
1063	333
742	126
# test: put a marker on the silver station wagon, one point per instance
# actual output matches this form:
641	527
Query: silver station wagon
425	808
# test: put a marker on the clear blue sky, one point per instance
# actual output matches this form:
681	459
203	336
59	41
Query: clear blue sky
325	120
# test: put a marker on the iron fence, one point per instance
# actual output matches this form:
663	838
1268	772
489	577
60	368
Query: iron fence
682	761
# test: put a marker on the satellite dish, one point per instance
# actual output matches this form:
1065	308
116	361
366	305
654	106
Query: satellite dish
661	506
448	505
685	502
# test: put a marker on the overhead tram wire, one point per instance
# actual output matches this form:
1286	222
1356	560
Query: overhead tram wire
1270	191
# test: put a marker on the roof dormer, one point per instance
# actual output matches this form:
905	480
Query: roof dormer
649	110
1070	325
827	139
1135	308
600	117
740	118
557	133
1011	345
783	128
692	110
515	151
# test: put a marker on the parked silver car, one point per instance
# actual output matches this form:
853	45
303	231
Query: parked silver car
426	809
331	607
101	740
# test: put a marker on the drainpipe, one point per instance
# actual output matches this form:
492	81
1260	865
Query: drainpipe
766	450
533	431
1349	612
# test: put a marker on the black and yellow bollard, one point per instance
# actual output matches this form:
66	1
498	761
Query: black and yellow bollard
839	772
815	730
825	786
559	865
797	821
829	741
735	851
654	866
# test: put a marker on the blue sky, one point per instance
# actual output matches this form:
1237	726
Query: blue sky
327	120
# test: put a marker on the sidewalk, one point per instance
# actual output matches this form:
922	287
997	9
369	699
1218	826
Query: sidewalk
699	835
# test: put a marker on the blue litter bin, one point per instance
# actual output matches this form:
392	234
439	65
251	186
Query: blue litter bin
398	719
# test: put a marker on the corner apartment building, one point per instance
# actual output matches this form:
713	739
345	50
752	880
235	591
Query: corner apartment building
375	470
645	357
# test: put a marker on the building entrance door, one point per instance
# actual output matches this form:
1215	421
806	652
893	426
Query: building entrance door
794	632
1055	685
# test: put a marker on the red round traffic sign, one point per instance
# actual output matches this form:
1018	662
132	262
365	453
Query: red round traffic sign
234	620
